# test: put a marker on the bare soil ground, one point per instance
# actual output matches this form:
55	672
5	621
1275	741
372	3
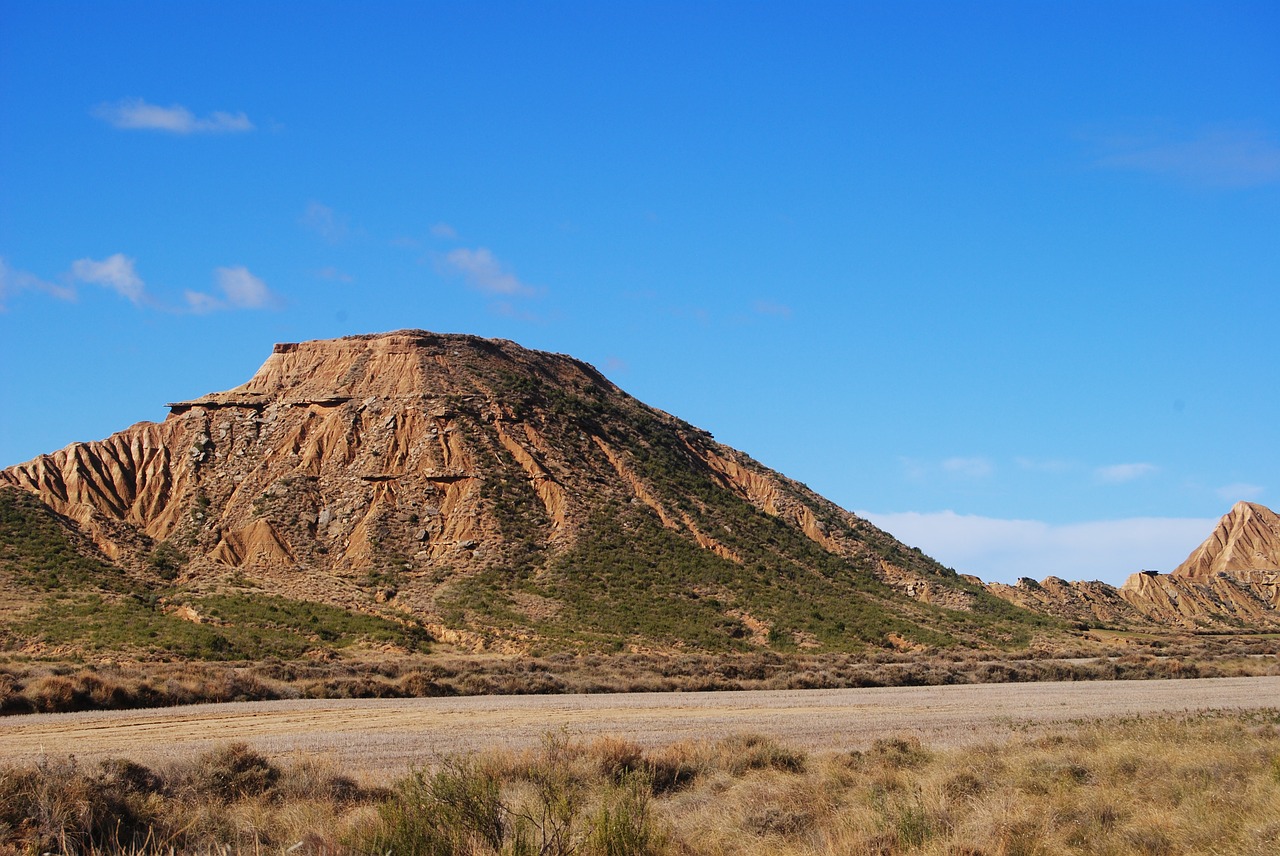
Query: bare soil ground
379	739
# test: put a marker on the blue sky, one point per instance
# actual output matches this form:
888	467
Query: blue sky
1002	276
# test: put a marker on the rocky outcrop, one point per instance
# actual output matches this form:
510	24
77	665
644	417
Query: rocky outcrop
1076	601
1232	580
1246	539
1225	599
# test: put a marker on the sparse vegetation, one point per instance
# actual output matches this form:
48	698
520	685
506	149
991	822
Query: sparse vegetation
1129	786
38	550
166	560
629	579
233	627
28	685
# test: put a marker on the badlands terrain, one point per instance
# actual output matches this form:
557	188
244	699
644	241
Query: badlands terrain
419	514
414	569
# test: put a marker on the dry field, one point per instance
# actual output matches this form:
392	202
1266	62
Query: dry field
379	739
1159	784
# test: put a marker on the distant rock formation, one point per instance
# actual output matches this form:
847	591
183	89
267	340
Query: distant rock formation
1246	539
1232	580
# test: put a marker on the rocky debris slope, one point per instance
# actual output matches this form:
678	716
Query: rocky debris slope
1232	580
467	481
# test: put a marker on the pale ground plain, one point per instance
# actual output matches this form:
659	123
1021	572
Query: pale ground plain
377	738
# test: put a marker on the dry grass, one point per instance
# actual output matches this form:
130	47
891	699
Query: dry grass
1156	786
31	686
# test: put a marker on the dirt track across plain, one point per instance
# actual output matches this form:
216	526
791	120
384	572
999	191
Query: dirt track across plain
377	737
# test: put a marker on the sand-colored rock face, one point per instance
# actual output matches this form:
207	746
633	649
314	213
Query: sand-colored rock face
1076	601
1246	539
1223	599
409	454
1231	580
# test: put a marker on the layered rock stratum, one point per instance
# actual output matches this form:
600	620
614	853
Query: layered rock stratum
503	497
1232	580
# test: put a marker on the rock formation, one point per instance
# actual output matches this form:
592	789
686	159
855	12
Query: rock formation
1232	580
471	483
1246	539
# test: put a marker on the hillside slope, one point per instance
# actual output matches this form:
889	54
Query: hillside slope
503	498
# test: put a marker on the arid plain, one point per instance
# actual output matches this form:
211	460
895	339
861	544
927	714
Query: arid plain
383	738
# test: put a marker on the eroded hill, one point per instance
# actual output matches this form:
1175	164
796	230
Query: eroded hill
502	499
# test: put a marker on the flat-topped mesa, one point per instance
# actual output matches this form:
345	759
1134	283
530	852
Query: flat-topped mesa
401	363
429	468
1247	538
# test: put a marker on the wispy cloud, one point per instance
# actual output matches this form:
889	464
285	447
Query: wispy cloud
1044	465
444	230
1002	550
1240	491
972	468
768	307
243	289
240	290
135	114
14	282
507	309
483	272
333	274
1124	473
914	469
1214	158
325	222
115	272
200	303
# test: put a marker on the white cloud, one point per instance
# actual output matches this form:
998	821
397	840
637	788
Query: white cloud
444	230
115	272
243	289
1240	491
483	272
1215	157
1122	473
240	289
1000	550
973	468
135	114
325	222
14	281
